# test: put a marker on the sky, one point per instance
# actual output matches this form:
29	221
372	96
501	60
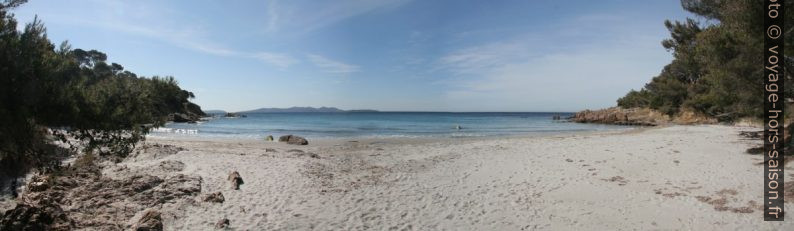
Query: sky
391	55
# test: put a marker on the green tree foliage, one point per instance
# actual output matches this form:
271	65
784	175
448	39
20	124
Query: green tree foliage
718	62
72	96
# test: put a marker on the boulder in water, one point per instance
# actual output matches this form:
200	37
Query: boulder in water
269	138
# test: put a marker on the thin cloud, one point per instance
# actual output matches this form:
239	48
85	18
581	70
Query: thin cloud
525	67
332	66
582	32
300	16
535	80
279	60
273	15
479	59
194	40
192	37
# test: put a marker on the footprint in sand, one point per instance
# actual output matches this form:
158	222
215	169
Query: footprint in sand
621	181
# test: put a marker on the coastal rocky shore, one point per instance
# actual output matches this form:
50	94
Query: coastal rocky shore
638	116
192	113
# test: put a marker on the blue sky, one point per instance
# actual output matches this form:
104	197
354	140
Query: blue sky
379	54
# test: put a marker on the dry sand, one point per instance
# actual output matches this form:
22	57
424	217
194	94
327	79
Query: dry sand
670	178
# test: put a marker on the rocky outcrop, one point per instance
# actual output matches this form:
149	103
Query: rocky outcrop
150	221
171	166
621	116
184	118
191	114
216	197
80	197
29	217
195	109
91	201
296	140
180	118
269	138
39	183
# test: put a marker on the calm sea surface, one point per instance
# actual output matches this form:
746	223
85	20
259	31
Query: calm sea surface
380	125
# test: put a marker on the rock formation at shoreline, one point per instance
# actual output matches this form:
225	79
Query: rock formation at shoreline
620	116
181	118
638	116
191	114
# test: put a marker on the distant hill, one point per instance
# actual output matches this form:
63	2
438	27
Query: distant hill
215	111
302	109
363	110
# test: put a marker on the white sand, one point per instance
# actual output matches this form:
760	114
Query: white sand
637	180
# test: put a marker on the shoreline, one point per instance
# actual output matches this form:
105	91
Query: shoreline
324	141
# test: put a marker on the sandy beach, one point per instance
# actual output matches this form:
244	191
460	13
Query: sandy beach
667	178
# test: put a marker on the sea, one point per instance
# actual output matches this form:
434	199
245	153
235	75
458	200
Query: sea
330	125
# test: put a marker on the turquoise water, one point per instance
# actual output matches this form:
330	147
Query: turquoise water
381	125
